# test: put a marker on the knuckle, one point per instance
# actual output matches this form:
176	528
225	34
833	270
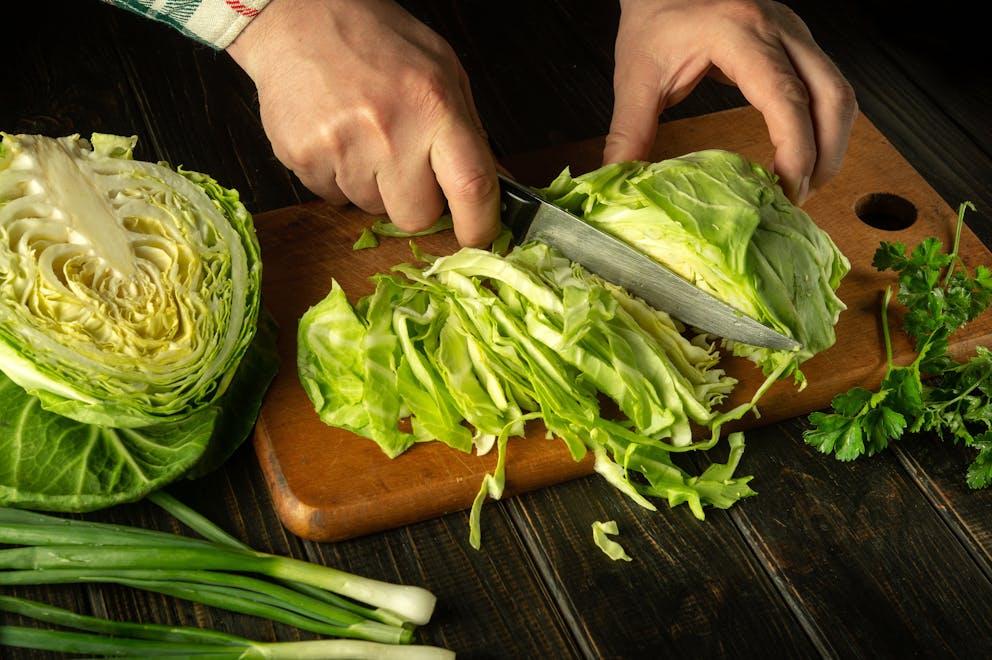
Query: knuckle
472	186
413	220
431	93
620	145
432	82
304	152
844	98
793	90
749	12
826	171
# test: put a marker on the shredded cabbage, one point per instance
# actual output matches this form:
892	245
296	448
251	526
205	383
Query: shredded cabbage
601	532
473	344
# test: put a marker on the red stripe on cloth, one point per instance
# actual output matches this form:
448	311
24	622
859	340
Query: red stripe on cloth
241	9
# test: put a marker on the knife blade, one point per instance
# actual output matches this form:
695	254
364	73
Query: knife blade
532	218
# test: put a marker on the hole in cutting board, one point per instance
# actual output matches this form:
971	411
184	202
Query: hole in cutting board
885	211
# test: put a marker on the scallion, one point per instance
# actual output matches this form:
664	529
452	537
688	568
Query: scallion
125	639
365	617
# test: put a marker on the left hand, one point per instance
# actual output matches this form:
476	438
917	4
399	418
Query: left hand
665	47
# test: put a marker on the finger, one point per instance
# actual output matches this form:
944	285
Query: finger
466	89
833	106
411	196
359	184
466	173
770	83
324	186
638	100
345	184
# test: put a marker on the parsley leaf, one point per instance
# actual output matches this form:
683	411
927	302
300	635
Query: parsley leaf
934	393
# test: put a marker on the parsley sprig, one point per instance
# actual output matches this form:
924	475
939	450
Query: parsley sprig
934	393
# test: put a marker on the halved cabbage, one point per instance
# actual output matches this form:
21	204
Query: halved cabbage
133	346
129	291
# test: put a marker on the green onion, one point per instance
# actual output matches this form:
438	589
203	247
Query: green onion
232	592
61	543
150	631
208	530
126	639
366	617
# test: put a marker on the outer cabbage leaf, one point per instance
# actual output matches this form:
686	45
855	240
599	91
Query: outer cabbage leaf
54	463
51	462
722	222
130	291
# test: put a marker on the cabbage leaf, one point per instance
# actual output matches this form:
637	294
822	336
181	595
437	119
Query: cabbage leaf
471	346
601	532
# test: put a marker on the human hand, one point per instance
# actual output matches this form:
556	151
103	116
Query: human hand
366	104
665	47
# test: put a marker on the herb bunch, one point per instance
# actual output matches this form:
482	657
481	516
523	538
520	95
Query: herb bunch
934	393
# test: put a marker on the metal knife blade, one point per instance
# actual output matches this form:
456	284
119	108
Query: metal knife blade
531	218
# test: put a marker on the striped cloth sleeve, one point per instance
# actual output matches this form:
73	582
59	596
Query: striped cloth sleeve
212	22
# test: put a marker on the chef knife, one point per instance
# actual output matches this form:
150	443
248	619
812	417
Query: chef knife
532	218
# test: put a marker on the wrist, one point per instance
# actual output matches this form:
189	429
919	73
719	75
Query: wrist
248	48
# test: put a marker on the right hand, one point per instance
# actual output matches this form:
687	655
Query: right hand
665	47
367	105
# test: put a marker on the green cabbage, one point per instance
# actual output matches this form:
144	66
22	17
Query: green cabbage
130	295
720	220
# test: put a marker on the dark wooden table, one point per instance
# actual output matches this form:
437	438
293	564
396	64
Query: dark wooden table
884	557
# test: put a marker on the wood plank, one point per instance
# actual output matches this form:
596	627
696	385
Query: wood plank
51	92
329	484
838	559
692	589
939	468
869	563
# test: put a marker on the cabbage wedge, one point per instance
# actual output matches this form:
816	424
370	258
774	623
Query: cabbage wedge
130	295
721	221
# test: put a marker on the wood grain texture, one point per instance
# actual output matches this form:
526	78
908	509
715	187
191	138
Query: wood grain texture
849	533
329	484
699	590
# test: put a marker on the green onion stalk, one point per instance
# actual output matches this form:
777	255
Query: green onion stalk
367	618
123	639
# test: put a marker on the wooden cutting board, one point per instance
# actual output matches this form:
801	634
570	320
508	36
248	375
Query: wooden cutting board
328	484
